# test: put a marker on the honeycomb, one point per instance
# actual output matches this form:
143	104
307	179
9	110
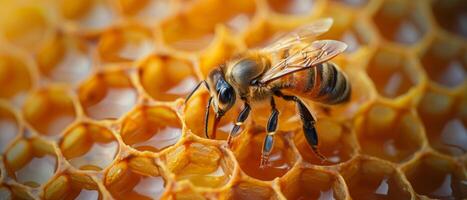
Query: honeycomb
92	101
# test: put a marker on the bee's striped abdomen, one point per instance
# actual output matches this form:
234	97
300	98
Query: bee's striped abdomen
324	83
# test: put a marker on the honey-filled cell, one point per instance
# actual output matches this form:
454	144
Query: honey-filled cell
31	162
203	165
9	127
166	78
15	76
151	128
247	150
50	110
72	186
450	15
390	133
292	7
14	192
88	146
88	16
373	179
309	183
147	12
248	189
437	177
135	177
107	95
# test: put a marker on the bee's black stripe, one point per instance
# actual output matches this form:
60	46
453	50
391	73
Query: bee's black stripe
334	87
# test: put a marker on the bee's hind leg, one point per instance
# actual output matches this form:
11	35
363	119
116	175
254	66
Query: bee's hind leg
269	139
308	123
240	119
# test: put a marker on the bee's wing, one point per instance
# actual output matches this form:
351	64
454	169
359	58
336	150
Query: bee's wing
311	55
302	34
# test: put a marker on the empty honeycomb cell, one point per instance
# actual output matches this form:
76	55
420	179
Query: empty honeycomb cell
451	15
437	177
89	147
9	127
107	95
248	149
335	143
390	133
125	43
72	186
49	110
25	25
444	124
400	21
203	165
309	183
151	128
13	192
166	78
31	162
87	16
373	179
147	11
15	76
445	63
393	74
292	7
249	189
135	178
192	30
196	107
64	58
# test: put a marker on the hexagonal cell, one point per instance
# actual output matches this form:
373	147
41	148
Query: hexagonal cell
31	162
125	43
247	150
392	73
373	179
292	7
201	27
250	189
9	127
89	147
167	78
451	15
64	58
148	12
309	183
13	192
389	133
196	107
87	15
72	186
15	77
335	143
401	21
49	110
186	191
202	164
437	177
107	95
151	128
135	178
25	25
444	61
444	122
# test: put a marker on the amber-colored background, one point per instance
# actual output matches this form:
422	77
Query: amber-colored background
91	101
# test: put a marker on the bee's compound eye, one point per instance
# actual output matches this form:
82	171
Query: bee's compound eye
226	95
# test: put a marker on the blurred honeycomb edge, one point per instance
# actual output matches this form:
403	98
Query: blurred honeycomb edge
91	101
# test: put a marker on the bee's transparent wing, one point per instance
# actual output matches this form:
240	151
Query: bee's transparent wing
311	55
302	34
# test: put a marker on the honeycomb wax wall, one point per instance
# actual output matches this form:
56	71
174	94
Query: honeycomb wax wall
92	101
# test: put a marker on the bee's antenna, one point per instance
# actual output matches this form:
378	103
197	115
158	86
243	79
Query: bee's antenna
195	89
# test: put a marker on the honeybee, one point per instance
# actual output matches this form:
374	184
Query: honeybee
292	67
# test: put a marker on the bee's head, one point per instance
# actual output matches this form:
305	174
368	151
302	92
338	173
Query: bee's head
222	93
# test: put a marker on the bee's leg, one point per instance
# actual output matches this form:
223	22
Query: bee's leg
240	119
269	139
308	123
206	118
